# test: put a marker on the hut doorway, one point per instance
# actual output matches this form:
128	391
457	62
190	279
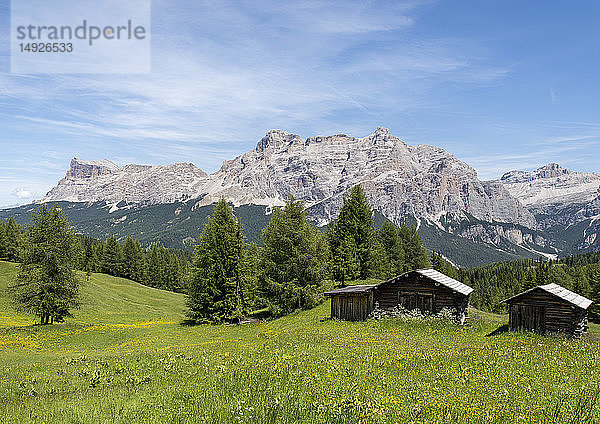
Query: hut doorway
528	317
420	301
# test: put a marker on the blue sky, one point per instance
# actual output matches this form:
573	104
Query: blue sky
500	84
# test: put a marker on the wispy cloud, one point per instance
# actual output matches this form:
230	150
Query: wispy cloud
224	72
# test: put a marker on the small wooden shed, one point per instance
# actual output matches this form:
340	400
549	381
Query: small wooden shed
549	309
425	289
352	303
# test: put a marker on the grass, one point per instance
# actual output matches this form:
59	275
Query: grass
126	358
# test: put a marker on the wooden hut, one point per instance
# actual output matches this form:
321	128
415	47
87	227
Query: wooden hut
352	303
425	289
549	309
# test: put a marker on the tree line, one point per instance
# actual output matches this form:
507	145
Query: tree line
499	281
227	278
296	263
155	266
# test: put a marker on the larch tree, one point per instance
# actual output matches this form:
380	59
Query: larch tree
46	284
2	240
215	292
293	259
345	262
133	260
415	252
12	234
389	237
89	259
112	258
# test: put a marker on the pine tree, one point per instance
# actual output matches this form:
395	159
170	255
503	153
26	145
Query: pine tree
389	236
3	241
215	292
356	221
112	258
293	259
415	253
46	284
13	233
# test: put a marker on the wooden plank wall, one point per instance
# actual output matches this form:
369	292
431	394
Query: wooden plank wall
388	295
550	314
352	306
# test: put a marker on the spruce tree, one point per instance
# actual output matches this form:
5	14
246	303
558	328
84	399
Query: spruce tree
46	284
293	259
12	233
415	253
356	221
112	258
215	292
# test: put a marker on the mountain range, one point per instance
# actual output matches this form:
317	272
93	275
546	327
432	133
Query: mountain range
550	211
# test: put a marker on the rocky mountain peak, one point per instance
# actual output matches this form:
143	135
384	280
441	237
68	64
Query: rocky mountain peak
90	169
275	139
552	170
551	184
91	181
422	181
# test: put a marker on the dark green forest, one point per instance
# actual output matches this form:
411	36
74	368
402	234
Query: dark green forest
296	262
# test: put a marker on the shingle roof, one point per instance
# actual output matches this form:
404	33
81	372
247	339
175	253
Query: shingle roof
444	280
561	292
432	274
351	289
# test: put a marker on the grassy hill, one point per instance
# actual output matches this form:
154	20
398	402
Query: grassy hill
125	357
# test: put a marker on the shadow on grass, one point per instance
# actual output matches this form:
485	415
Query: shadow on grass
252	318
499	330
261	314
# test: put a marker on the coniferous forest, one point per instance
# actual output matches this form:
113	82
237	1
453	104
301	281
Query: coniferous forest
227	278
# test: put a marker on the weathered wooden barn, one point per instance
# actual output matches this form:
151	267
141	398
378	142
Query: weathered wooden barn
549	309
425	289
352	303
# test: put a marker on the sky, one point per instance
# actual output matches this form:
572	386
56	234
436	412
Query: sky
502	85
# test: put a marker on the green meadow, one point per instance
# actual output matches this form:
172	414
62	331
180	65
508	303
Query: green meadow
127	357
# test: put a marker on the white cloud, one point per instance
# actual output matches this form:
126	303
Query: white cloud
22	193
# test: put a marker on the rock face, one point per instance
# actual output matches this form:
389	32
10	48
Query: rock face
91	181
566	204
551	185
422	181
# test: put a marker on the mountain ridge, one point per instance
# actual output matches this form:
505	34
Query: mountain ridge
422	184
